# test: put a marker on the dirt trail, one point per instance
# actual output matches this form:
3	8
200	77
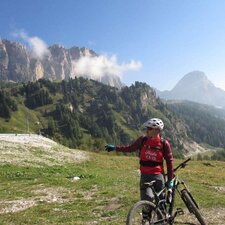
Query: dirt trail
212	217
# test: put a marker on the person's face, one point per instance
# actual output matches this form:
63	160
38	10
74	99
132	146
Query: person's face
151	132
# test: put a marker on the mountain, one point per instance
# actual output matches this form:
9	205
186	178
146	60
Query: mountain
196	87
87	114
203	120
18	64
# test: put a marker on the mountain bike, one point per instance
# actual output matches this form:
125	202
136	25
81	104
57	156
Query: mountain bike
160	211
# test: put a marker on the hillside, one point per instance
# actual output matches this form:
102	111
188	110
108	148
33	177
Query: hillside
41	193
201	119
87	114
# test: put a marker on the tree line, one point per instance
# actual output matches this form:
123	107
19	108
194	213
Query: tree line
203	125
87	114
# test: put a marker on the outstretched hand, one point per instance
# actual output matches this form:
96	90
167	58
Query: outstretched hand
110	147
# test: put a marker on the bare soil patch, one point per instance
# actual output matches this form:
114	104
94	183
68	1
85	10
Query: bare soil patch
36	150
42	196
213	216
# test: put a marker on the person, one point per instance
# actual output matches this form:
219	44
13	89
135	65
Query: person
153	150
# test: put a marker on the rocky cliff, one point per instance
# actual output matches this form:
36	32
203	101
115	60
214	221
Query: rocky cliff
18	64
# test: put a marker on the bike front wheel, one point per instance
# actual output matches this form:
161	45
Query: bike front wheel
192	207
145	213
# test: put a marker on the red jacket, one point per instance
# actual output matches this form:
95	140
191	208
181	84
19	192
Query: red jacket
152	155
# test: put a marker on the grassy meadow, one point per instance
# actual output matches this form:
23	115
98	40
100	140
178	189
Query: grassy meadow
108	186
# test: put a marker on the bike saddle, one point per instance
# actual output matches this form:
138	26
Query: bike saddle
149	184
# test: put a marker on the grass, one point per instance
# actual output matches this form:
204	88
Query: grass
19	121
123	125
108	187
25	119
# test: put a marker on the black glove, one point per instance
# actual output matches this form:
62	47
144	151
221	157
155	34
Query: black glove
110	147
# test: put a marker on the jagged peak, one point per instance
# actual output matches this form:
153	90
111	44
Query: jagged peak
57	46
74	48
14	43
87	52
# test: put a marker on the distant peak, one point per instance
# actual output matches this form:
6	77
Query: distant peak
195	80
196	73
195	76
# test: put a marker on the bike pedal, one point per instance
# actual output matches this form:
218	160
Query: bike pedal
180	211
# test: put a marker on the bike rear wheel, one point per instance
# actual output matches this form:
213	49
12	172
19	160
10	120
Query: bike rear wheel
145	213
192	207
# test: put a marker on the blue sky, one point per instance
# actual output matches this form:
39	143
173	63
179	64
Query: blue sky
166	39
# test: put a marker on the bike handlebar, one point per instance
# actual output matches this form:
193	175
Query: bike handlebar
182	165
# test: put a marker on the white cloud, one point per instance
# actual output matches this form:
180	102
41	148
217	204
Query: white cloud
38	46
219	84
97	66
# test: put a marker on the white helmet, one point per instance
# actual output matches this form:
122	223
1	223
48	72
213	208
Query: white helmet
154	123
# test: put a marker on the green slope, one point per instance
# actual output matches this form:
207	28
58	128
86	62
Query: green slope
107	189
81	113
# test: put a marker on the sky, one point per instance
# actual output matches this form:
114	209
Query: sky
152	41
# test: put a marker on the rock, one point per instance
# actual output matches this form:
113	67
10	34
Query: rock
18	64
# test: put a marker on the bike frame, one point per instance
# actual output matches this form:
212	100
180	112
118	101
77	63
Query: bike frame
168	207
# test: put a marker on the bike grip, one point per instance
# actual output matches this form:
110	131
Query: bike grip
187	160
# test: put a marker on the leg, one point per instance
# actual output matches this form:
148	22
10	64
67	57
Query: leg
146	194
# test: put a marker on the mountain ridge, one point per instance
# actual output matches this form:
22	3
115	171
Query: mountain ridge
196	87
19	64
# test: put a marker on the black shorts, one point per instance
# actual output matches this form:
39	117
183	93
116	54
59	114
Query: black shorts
146	194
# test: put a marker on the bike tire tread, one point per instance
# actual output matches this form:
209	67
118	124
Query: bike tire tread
192	207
